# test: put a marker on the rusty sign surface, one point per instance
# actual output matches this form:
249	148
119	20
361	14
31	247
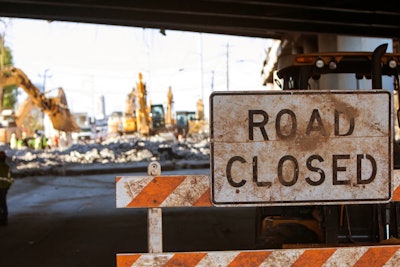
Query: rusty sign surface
300	147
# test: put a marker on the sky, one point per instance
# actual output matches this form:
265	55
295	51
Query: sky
90	60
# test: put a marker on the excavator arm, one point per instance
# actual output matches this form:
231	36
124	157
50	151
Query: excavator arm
23	111
56	108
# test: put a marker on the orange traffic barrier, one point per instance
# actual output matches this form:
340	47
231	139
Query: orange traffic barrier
343	256
163	191
156	192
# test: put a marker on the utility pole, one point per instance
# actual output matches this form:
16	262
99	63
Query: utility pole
44	80
212	80
201	67
43	92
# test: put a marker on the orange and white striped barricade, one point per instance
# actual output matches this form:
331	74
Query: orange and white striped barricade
156	192
343	256
396	186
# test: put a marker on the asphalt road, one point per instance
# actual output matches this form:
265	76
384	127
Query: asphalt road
72	221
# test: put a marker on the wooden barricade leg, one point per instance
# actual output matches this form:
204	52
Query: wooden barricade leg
154	217
154	228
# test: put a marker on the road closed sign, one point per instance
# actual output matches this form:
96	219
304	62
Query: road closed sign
301	147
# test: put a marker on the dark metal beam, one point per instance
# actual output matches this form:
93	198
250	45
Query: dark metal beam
271	19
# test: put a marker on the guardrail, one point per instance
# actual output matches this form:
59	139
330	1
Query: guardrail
156	192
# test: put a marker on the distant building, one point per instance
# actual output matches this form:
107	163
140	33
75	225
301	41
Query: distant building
101	108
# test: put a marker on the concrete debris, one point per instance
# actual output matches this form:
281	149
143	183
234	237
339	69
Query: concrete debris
119	152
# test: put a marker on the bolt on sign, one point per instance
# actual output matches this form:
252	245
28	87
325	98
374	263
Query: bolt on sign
301	147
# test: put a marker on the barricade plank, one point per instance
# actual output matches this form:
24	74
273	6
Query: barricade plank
180	191
340	256
194	190
163	191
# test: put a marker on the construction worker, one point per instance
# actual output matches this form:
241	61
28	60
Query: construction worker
13	141
5	182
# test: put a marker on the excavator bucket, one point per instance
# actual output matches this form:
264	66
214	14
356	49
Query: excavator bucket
61	118
63	121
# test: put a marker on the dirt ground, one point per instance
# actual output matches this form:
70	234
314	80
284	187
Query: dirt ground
72	221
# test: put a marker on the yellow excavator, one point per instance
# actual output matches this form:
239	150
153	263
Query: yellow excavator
198	127
136	116
150	119
55	107
139	116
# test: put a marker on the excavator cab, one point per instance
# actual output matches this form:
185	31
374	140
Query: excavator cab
157	114
183	119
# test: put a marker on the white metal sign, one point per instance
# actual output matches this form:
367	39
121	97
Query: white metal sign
300	147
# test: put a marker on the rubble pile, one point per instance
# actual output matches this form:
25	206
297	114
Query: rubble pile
115	151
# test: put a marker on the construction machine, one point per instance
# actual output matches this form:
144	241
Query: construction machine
157	119
198	127
294	224
185	123
151	119
143	118
183	120
129	123
55	107
191	123
139	116
124	122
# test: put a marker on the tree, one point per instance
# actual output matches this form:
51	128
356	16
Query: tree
8	94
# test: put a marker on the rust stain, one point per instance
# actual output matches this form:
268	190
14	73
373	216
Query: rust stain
344	107
134	186
309	143
128	190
